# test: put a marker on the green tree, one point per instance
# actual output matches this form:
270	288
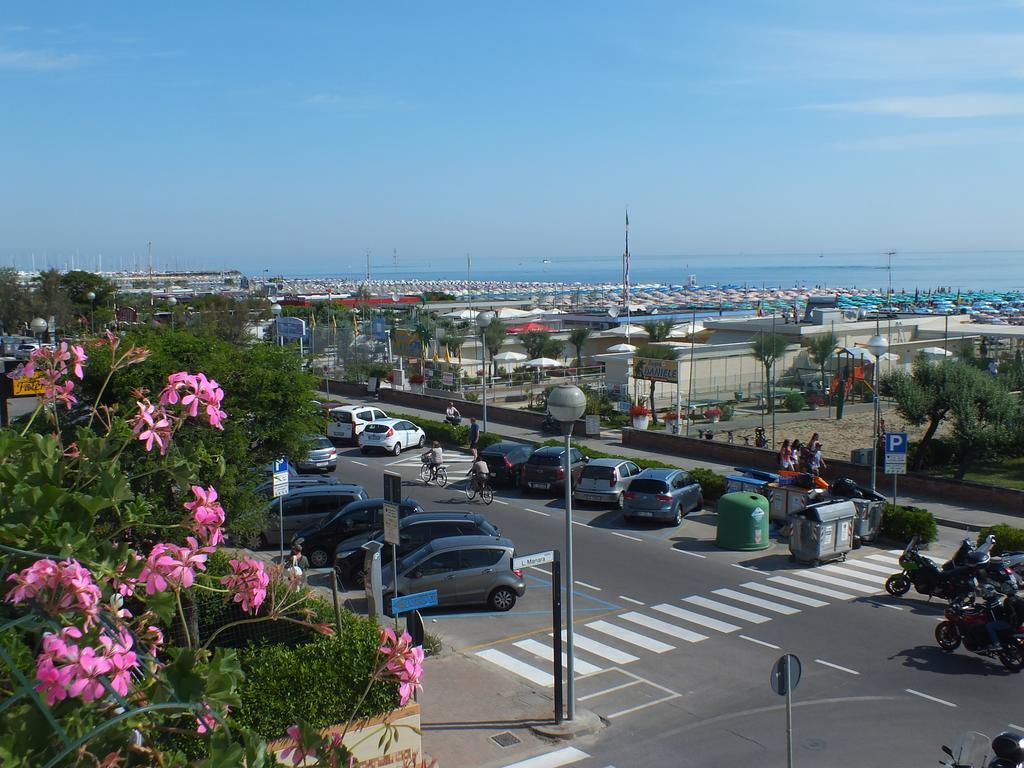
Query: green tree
820	349
578	337
426	330
767	348
985	419
540	344
49	298
657	352
494	336
657	330
14	301
77	284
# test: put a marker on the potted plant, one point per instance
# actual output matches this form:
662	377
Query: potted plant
713	415
416	382
814	402
640	415
672	422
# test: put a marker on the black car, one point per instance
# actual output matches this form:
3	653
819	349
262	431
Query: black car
414	532
505	461
355	519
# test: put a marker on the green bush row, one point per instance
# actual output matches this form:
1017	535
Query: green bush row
1008	538
903	523
445	433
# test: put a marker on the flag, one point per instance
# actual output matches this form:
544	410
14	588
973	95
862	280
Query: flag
334	323
312	322
355	326
435	353
760	310
447	355
958	297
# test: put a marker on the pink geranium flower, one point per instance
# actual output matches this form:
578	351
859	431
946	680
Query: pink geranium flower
297	753
248	580
207	515
57	587
151	426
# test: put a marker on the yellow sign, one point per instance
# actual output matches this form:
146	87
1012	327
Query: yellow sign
29	386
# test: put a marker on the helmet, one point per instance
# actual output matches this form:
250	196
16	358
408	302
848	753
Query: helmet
844	487
977	558
1009	745
988	591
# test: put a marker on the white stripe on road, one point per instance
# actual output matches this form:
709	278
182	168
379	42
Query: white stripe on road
853	573
896	551
884	605
692	554
791	596
836	666
871	566
930	698
577	522
1016	727
499	501
814	588
631	637
360	463
768	605
606	691
555	759
696	618
759	642
542	651
894	561
728	610
624	536
744	567
538	568
587	586
514	665
536	512
630	600
844	583
663	626
602	650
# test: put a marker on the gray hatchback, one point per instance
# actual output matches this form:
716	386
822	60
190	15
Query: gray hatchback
605	481
662	494
474	570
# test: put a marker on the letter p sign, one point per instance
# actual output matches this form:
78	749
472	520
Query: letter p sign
895	442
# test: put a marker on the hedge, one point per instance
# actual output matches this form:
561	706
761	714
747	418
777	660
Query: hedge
712	484
318	682
448	434
1008	538
903	523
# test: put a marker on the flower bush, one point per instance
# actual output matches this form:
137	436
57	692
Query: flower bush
101	660
713	414
417	378
639	410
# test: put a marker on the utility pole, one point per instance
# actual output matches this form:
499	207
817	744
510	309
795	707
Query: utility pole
367	265
150	248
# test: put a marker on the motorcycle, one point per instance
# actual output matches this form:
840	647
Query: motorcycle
1013	561
927	578
965	624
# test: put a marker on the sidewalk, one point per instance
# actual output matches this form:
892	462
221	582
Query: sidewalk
946	514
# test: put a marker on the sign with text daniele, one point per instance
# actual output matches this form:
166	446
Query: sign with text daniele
654	369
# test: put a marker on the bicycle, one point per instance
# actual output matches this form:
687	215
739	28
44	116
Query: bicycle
479	487
437	475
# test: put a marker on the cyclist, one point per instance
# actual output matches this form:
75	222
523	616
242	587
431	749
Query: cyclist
479	472
433	458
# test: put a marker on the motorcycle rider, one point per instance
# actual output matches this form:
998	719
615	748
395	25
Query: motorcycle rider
1001	613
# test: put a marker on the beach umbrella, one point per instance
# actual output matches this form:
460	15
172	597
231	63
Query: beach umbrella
509	313
937	351
509	357
622	348
627	330
543	362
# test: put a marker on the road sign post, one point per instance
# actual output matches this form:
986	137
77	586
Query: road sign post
784	678
895	458
280	476
392	498
413	602
540	558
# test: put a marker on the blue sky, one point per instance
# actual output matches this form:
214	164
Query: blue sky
256	135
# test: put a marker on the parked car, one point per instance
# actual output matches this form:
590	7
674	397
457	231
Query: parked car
605	481
662	494
465	570
320	538
544	469
391	435
304	505
322	457
24	350
348	421
295	480
505	462
414	531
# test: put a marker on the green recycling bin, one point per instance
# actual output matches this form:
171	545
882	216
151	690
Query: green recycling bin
742	521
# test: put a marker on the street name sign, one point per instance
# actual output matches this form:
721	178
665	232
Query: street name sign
413	602
537	558
280	477
895	453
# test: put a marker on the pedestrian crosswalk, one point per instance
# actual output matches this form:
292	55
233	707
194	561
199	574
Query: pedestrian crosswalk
622	639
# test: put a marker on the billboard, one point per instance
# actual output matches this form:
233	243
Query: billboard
291	328
654	369
405	343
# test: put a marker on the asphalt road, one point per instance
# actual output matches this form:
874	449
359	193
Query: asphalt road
676	640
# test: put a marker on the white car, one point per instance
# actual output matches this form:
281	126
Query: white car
391	435
348	421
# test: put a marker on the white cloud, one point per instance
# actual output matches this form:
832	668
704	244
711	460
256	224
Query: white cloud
959	105
40	60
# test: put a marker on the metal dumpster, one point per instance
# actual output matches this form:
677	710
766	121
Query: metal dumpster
747	484
868	520
822	532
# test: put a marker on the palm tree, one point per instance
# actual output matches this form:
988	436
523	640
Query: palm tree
578	337
820	349
534	342
425	329
494	337
767	348
657	352
657	330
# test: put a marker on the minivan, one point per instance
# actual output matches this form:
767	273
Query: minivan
347	421
303	506
362	516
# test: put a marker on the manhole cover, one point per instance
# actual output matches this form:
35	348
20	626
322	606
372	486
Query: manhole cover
505	739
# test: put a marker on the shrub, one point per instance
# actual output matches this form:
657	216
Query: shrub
416	378
1008	538
728	411
712	484
794	402
488	438
903	523
471	396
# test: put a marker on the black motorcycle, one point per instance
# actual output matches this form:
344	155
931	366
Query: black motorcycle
921	573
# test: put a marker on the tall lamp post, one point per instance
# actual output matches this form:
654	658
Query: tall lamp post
483	320
877	346
38	326
275	310
566	404
91	296
172	303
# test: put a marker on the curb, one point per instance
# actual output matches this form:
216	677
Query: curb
585	723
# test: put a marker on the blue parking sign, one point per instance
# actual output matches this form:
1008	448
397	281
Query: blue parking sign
280	465
895	442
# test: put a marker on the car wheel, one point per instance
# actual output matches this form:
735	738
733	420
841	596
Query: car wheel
397	449
419	443
620	501
258	542
502	599
678	519
318	558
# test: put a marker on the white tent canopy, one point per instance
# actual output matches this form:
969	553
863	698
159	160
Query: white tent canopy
509	357
543	362
627	330
622	348
938	351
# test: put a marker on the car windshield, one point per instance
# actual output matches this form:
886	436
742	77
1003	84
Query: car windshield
376	428
648	485
598	473
546	459
323	443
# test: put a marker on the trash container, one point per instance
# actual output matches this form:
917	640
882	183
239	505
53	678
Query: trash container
869	519
742	522
747	484
822	532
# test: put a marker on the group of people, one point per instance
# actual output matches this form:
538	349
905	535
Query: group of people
434	457
795	456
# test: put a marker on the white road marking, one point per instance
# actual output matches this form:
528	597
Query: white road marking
614	688
692	554
545	652
728	610
630	600
896	552
768	605
360	463
744	567
624	536
542	570
631	637
792	596
885	605
1016	727
696	618
600	649
588	586
759	642
843	572
499	501
514	665
844	583
577	522
537	512
930	698
555	759
663	627
871	566
823	591
894	561
836	666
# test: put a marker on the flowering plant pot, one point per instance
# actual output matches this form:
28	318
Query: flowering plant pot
640	421
713	415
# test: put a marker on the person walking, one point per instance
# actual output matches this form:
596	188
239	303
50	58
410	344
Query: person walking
817	461
297	564
474	433
786	455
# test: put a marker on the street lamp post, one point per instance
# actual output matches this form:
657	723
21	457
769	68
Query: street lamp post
91	296
38	326
275	310
483	320
172	302
877	346
566	404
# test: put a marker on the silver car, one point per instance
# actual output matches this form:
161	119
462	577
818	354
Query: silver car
605	481
322	457
662	494
474	570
